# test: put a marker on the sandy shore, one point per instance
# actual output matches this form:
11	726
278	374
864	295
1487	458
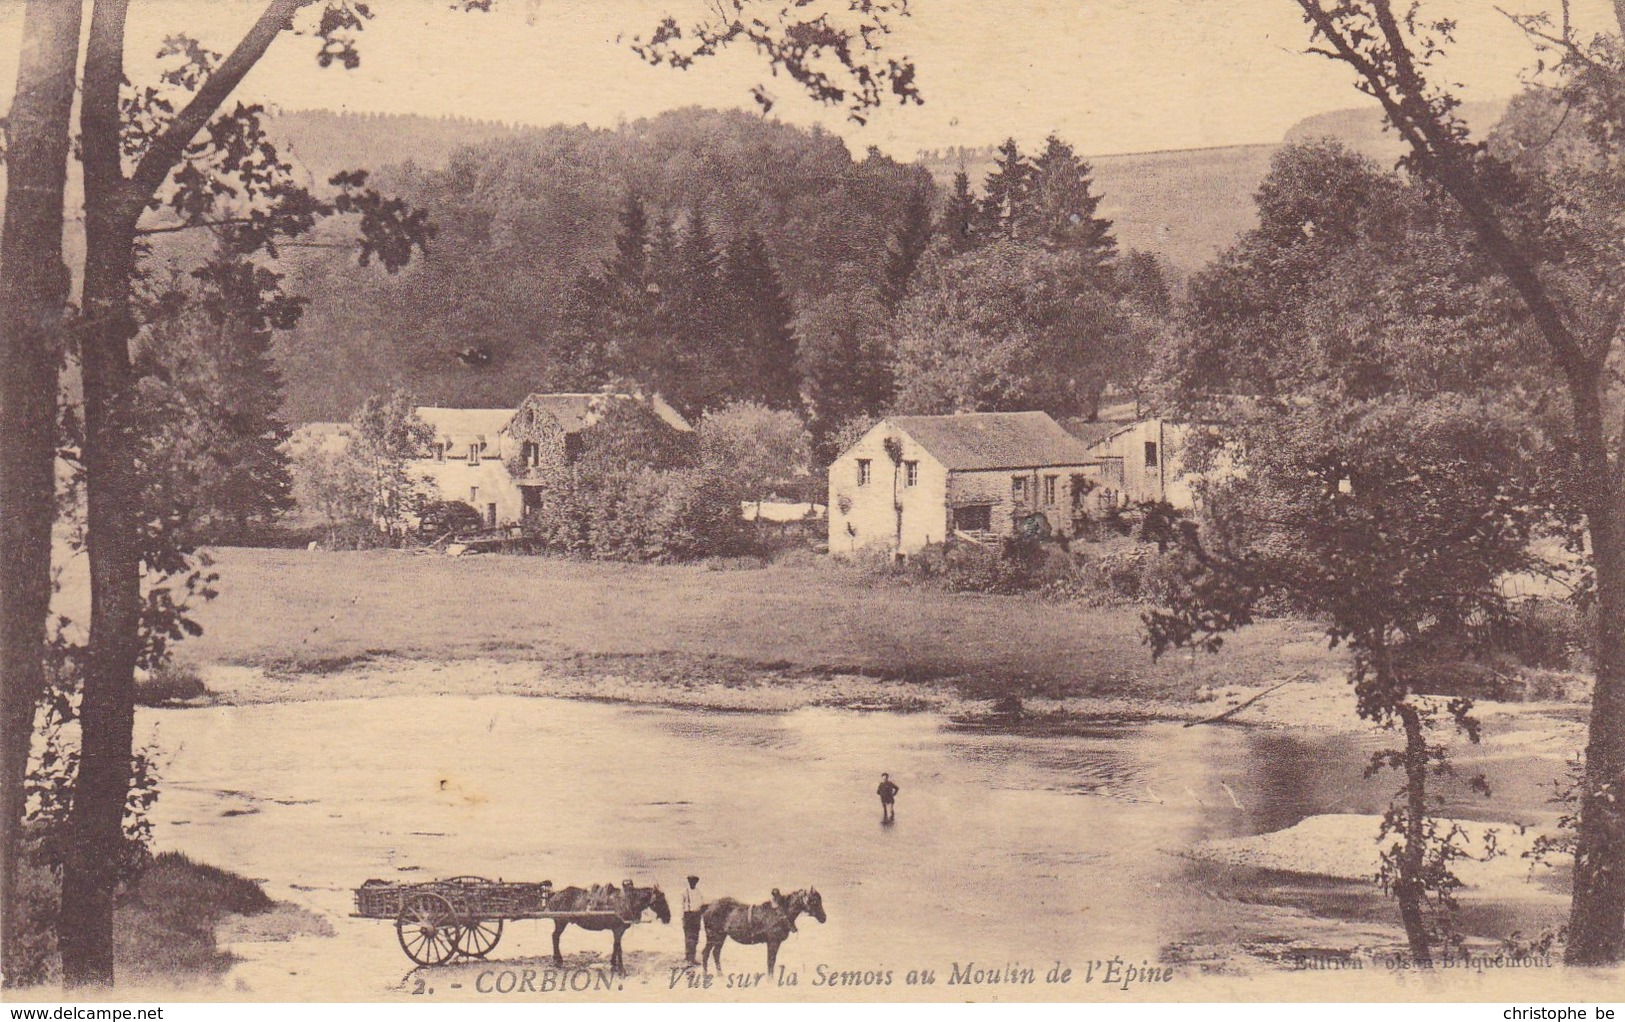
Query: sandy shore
1322	702
1344	846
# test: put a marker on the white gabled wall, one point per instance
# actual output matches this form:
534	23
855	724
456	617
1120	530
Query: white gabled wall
452	478
1141	482
863	516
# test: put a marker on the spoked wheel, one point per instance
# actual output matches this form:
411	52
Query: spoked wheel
428	929
478	936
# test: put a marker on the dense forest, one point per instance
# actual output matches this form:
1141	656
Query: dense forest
482	320
525	215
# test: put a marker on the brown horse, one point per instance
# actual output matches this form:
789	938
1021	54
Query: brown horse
769	923
611	908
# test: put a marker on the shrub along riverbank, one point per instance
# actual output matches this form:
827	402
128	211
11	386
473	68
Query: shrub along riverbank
166	923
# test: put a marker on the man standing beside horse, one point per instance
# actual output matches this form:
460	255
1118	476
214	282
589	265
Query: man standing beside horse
694	904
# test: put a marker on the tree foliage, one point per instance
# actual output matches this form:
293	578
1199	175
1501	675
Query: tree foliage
846	359
211	167
835	51
212	396
1007	327
1361	280
762	348
527	223
1392	521
330	482
387	438
754	446
1023	303
1048	200
678	317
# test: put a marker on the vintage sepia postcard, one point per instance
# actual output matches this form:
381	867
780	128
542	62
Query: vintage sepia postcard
813	500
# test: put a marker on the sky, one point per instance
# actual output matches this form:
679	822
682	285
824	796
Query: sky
1111	76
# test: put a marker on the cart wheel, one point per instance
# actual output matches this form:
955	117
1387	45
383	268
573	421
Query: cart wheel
428	929
478	937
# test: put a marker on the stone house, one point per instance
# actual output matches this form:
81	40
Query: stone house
916	480
493	458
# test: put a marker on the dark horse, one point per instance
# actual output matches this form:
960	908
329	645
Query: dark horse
608	908
768	923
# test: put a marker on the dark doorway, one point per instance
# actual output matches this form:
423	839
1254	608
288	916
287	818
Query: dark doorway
975	518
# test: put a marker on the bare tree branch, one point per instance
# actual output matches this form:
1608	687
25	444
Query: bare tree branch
142	232
1565	42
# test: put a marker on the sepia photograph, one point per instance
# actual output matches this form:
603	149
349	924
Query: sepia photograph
809	501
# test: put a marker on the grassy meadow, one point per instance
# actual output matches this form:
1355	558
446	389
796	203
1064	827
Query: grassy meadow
315	612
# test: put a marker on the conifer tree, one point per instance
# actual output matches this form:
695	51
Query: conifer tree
609	316
846	360
1004	194
763	357
959	216
636	344
1059	208
582	350
629	266
691	368
210	396
908	243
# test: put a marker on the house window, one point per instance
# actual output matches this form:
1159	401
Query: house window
1049	489
473	454
863	471
1018	488
1150	454
911	473
531	453
439	452
473	494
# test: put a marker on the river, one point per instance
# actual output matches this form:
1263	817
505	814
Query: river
1006	848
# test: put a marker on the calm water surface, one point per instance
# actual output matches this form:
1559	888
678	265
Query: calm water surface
1006	848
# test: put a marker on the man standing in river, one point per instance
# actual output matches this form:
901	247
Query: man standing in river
693	909
888	798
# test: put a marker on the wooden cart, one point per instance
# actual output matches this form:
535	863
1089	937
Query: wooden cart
439	920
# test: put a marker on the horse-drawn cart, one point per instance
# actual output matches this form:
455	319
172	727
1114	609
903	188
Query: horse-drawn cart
439	920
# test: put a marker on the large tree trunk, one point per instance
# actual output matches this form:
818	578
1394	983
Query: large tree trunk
113	206
1597	915
1411	890
33	291
90	874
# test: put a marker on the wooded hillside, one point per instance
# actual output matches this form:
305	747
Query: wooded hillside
523	212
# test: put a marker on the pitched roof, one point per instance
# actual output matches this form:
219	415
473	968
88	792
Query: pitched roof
465	425
574	411
1092	432
988	440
